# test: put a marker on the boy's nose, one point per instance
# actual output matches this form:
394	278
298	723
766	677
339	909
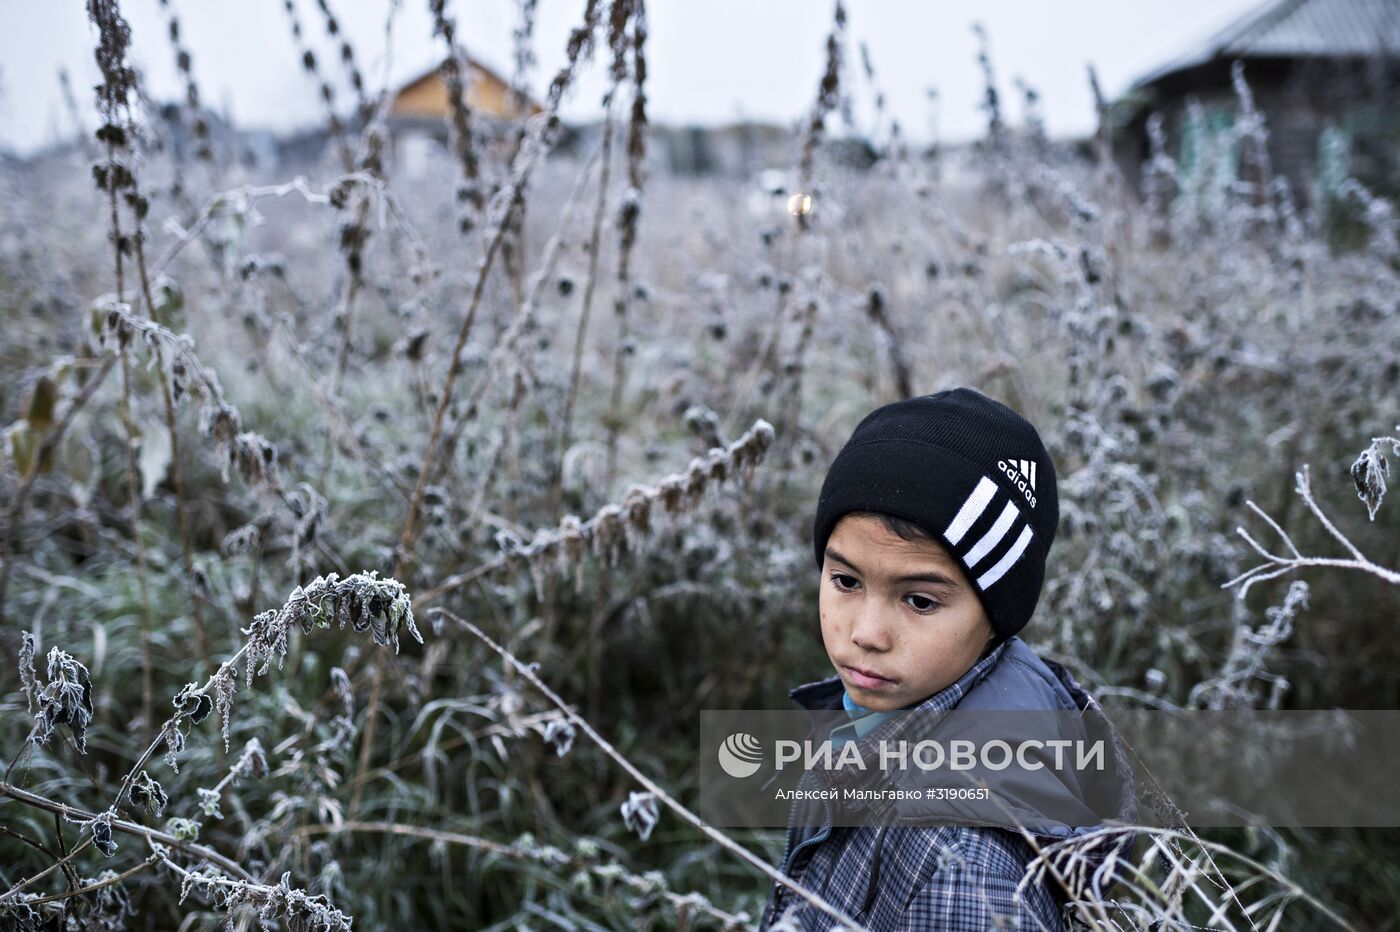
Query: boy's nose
869	629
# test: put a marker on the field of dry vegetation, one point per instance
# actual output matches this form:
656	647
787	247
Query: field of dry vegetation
345	511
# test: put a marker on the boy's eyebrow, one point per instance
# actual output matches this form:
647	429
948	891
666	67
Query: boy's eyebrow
937	579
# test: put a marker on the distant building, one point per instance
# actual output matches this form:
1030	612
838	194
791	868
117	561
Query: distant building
1325	74
421	111
488	94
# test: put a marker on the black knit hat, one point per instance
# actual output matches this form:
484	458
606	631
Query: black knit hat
969	470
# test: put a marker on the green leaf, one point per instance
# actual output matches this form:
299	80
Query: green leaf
39	406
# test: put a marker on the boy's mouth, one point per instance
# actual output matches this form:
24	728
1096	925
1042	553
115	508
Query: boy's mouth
867	679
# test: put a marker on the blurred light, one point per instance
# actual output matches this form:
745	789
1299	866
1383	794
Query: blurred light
799	204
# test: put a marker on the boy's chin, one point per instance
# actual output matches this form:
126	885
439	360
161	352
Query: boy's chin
885	699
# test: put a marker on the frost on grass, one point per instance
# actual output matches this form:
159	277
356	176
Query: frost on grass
363	601
275	906
106	907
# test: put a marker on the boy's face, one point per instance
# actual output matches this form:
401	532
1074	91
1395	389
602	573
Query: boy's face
895	640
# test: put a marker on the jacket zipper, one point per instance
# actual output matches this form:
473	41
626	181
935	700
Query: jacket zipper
789	852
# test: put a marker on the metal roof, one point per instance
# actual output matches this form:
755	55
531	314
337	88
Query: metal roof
1300	28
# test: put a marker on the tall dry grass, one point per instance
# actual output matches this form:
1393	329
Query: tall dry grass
255	419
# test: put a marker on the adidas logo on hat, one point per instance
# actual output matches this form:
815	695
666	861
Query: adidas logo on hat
1022	475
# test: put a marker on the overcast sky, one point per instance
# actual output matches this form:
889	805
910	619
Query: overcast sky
709	61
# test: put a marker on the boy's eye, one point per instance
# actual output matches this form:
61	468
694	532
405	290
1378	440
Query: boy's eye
927	606
844	582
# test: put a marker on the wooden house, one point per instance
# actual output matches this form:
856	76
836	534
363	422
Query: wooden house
488	94
1325	74
420	112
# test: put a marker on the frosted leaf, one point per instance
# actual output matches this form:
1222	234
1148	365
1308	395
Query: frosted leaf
640	813
560	734
341	680
146	792
242	540
193	704
254	759
209	803
175	742
101	828
183	829
225	685
65	700
1369	473
368	602
27	678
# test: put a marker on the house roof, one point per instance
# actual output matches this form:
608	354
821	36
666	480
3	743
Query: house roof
429	71
406	76
1298	29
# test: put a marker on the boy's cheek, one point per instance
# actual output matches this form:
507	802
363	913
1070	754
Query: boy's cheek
830	634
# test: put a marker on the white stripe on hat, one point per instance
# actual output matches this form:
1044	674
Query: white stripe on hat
1005	563
992	537
1032	473
971	510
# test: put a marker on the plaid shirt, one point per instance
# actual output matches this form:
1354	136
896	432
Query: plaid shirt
902	878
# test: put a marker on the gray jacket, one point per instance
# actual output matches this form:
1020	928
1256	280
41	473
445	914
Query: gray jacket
895	874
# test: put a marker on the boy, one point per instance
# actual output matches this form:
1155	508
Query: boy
931	533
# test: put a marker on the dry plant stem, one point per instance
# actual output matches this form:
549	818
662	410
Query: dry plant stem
483	844
221	881
505	351
452	583
177	485
521	169
37	845
1176	815
147	672
1279	564
627	219
353	282
770	341
68	870
248	195
367	742
590	283
134	493
308	60
347	56
45	450
454	370
112	99
724	841
151	860
131	828
1211	847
